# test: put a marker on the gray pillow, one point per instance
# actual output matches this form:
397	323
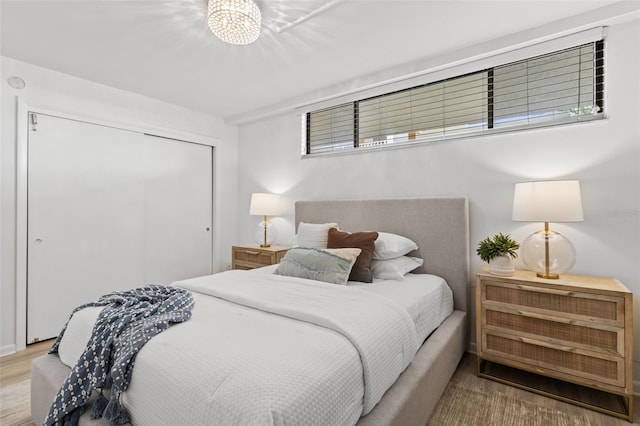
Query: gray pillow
327	265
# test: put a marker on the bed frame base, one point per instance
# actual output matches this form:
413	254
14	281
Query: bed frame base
413	397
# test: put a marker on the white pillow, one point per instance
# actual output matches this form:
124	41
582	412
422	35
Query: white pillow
394	269
314	235
390	246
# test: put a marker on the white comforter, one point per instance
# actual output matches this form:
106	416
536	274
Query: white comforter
284	351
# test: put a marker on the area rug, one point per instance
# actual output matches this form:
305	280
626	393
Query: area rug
461	405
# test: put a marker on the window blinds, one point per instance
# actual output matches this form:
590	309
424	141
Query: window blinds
550	87
431	111
560	87
331	129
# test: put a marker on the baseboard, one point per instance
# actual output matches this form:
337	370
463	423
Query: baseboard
7	350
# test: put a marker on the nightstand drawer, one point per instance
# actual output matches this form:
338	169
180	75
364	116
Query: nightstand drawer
248	257
253	257
560	361
586	335
570	304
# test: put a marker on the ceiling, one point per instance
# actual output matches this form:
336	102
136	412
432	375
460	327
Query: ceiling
164	49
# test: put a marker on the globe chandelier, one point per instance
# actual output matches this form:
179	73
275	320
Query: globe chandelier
234	21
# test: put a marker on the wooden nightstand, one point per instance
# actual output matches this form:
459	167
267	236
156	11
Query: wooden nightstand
576	330
249	257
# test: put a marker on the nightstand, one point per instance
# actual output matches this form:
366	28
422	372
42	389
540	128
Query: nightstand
576	330
249	257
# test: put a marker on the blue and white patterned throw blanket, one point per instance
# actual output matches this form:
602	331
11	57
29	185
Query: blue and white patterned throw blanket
128	321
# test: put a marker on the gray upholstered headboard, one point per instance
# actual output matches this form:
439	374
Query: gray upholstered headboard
439	225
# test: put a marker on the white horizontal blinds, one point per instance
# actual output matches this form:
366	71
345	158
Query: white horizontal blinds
331	129
428	113
557	86
465	104
385	116
452	106
553	88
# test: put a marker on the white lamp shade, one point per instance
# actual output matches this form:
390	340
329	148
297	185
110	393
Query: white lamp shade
263	204
548	201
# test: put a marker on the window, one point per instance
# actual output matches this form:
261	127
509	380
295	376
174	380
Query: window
561	87
331	130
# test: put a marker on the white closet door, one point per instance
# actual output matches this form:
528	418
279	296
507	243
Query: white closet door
110	209
177	203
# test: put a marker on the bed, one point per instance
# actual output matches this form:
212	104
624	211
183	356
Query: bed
439	226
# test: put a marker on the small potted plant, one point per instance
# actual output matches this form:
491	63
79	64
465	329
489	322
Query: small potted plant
499	252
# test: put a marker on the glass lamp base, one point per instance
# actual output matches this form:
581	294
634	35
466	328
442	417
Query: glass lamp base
265	240
548	253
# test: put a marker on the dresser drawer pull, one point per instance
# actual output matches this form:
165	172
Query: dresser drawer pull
253	253
547	317
545	290
537	343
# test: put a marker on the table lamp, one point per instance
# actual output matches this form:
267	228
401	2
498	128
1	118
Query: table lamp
547	252
265	205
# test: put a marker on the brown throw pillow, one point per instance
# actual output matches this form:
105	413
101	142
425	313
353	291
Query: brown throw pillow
365	241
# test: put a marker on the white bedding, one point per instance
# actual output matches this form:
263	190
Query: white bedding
254	367
427	298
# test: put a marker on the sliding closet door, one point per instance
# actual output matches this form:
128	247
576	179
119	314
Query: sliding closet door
177	210
110	209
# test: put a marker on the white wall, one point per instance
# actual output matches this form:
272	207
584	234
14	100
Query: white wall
67	94
604	155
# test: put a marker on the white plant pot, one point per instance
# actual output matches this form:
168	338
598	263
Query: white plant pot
502	265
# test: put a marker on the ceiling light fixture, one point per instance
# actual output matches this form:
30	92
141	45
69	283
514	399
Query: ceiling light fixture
234	21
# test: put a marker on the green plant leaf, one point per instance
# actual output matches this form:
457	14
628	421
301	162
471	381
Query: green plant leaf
499	245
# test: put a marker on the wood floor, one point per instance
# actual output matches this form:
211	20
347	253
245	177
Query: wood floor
15	370
17	367
15	378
